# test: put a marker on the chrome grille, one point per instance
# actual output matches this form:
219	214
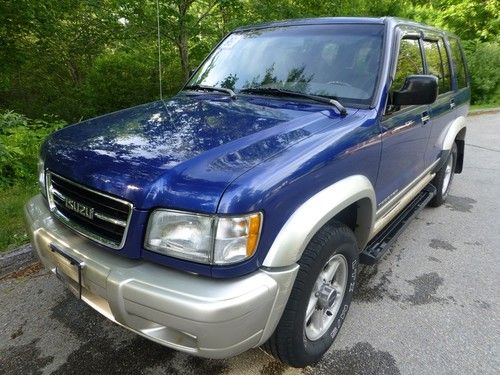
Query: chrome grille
98	216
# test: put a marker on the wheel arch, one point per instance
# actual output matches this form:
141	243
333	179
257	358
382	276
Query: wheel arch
455	131
350	200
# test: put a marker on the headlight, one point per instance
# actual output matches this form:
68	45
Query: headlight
203	238
41	176
180	235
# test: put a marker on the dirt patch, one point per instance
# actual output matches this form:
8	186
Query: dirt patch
441	244
81	319
103	356
483	304
29	271
460	204
426	287
360	359
19	331
206	366
23	359
475	243
369	290
273	368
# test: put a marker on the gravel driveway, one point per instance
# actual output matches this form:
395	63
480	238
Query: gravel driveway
431	306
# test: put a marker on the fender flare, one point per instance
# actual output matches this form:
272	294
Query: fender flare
451	134
316	211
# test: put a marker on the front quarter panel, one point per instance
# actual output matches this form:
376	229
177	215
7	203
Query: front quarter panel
282	184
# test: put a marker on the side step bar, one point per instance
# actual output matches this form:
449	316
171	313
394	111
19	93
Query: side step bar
383	241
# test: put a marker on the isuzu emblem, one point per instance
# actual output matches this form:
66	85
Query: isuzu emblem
79	208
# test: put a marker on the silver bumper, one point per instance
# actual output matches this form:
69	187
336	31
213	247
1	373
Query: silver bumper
202	316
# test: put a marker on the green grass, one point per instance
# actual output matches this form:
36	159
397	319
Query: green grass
12	200
484	106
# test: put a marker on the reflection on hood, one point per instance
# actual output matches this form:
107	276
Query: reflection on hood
210	139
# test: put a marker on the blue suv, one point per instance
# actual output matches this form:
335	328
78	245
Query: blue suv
235	214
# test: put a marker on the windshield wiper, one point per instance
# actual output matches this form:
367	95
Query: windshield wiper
212	88
281	92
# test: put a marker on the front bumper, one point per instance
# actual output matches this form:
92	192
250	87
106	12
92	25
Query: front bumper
191	313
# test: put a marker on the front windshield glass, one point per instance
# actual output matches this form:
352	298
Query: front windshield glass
340	61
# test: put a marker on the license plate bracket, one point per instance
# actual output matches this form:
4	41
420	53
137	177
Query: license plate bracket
68	269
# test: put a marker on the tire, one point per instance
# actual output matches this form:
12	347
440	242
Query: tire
444	177
295	342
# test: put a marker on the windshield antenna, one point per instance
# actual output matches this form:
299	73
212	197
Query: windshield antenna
159	45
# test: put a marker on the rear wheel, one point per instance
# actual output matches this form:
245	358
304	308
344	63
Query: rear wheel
444	177
320	298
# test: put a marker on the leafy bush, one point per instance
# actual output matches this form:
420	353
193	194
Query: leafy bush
20	140
120	80
483	59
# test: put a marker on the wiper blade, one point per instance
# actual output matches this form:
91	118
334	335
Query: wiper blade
281	92
212	88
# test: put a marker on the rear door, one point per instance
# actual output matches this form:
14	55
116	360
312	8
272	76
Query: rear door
442	110
461	83
405	129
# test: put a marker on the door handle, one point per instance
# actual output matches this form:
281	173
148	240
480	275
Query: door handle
452	103
425	118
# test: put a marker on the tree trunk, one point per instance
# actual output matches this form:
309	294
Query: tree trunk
183	48
182	39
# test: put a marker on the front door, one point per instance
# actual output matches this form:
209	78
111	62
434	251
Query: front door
405	130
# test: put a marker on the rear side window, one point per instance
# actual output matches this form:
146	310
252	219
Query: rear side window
436	64
458	63
409	62
446	65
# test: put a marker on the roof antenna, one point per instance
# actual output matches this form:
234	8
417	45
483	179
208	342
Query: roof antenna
159	45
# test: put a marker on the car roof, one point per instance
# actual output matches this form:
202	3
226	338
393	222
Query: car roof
313	21
391	21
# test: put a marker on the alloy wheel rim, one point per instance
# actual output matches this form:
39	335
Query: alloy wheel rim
326	297
447	175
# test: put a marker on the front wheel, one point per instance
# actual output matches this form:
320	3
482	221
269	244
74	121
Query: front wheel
320	298
444	177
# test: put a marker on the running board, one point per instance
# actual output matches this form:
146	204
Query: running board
383	241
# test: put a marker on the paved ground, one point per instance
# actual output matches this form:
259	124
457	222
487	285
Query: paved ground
430	307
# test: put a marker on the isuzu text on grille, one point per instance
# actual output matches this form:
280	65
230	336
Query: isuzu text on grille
79	208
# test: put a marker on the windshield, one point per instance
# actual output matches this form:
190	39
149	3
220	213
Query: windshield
339	61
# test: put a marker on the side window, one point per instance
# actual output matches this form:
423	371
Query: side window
409	62
436	64
458	63
433	59
446	65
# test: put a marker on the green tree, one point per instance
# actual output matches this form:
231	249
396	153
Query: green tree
81	58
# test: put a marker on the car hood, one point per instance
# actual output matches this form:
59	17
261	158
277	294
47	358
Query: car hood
181	153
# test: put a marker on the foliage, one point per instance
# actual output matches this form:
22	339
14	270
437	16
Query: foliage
471	20
477	23
20	140
113	76
484	61
81	58
12	200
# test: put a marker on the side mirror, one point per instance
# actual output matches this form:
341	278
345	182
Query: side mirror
418	89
